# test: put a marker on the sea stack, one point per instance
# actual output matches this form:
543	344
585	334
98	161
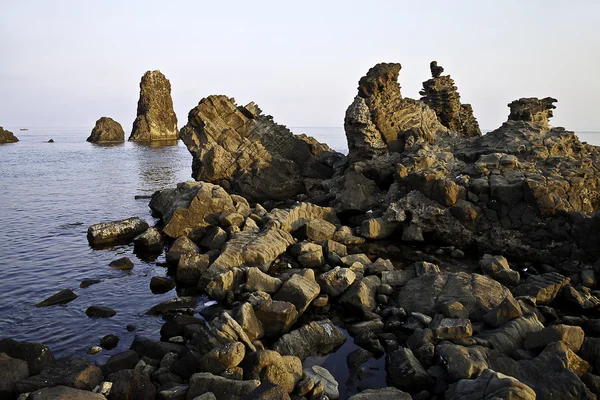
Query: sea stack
7	136
107	130
442	96
156	120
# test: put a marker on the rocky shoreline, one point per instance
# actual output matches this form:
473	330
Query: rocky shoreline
467	262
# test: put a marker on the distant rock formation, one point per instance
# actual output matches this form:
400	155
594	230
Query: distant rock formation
156	120
442	96
532	110
107	130
246	152
7	136
381	121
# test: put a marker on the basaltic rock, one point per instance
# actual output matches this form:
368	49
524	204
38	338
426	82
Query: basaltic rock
156	120
107	130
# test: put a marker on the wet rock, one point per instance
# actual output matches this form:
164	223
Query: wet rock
191	207
63	297
176	326
506	311
571	336
131	384
150	241
124	360
12	370
360	296
107	130
405	371
190	268
490	385
76	373
222	358
122	230
182	245
462	362
258	280
88	282
477	293
315	338
100	312
276	317
122	264
172	304
64	393
214	238
319	374
497	267
389	393
270	366
7	136
93	350
299	291
222	388
543	287
154	349
109	341
277	166
449	329
161	284
155	119
336	281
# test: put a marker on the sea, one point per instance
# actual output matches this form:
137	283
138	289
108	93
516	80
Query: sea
51	192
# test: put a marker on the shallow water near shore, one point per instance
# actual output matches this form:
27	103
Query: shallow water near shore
50	193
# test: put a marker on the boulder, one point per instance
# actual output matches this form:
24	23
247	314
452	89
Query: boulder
388	393
571	336
404	371
506	311
182	245
336	281
242	149
360	297
510	336
270	366
122	264
462	362
190	207
129	384
490	385
154	348
161	284
156	120
64	393
477	293
245	316
450	329
497	267
107	130
109	341
190	268
122	230
543	287
320	375
63	297
76	373
313	339
258	280
12	370
7	136
100	312
276	317
38	356
150	241
299	291
317	230
222	388
174	304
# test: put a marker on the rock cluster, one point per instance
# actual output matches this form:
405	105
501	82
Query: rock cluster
156	120
7	136
107	130
246	152
442	96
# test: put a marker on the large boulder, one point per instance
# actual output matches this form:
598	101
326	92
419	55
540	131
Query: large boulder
38	356
7	136
76	373
477	293
108	232
64	393
156	120
242	149
490	385
222	388
12	370
107	130
314	339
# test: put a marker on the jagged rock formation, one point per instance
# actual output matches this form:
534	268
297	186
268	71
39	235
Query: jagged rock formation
381	121
156	120
246	152
107	130
442	96
7	136
532	110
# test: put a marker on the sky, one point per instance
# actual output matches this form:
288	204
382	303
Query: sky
67	63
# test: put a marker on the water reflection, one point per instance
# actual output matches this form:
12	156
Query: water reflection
160	164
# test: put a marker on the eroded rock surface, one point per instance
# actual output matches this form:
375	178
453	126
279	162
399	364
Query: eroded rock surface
107	130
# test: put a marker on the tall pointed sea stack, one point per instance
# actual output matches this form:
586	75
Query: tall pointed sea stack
7	136
156	120
440	94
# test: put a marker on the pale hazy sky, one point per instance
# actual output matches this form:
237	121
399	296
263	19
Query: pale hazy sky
67	63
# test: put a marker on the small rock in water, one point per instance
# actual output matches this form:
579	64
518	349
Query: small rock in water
161	284
122	264
100	312
103	388
131	328
63	297
51	141
109	342
94	350
88	282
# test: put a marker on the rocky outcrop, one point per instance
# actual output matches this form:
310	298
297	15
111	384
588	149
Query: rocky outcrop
380	120
107	130
442	96
247	152
156	120
531	109
7	136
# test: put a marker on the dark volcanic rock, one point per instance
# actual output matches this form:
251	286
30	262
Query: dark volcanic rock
442	96
7	136
156	120
107	130
241	149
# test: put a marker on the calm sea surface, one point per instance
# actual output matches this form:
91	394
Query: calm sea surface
49	194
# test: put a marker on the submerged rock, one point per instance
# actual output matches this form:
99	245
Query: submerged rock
156	120
107	130
63	297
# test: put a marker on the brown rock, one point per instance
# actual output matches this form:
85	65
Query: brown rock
107	130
